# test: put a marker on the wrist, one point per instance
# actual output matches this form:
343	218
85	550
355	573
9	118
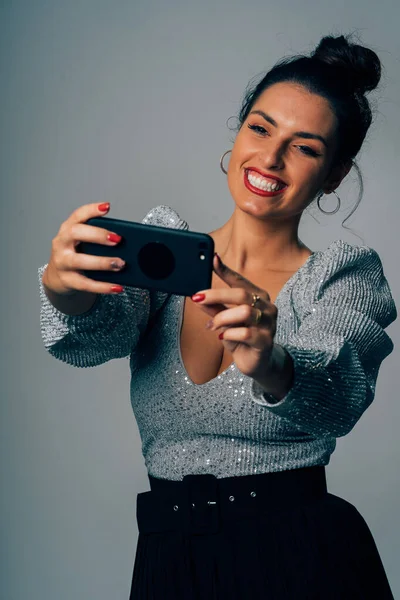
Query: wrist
52	284
278	376
70	303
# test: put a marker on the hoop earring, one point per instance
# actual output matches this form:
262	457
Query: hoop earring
221	162
328	212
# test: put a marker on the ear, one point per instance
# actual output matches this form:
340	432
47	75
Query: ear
336	176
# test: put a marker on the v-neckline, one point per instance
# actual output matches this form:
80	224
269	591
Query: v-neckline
232	365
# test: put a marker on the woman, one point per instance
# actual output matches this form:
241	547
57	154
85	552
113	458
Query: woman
240	394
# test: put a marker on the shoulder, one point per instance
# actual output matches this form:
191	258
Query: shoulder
164	216
346	275
341	258
341	254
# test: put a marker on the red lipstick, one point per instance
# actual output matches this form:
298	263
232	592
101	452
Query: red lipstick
257	190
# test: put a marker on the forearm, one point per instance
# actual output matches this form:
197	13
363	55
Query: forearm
277	379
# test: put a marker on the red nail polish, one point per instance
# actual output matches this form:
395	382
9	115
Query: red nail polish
117	288
198	297
104	207
221	335
114	237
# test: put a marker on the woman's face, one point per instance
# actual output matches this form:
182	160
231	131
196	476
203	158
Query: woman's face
287	142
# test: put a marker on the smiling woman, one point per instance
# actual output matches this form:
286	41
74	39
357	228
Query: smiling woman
270	156
240	392
336	76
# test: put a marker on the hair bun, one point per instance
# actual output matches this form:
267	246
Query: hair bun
361	65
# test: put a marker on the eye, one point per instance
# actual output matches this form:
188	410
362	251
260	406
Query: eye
308	151
258	129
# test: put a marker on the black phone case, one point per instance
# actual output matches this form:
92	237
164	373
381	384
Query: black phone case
157	258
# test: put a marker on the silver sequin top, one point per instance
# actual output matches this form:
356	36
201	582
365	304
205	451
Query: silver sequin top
331	319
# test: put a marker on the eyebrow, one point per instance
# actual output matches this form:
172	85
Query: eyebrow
304	134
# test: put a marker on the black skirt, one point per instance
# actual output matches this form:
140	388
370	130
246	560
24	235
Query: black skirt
275	536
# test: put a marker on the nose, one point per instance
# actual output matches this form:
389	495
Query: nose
272	155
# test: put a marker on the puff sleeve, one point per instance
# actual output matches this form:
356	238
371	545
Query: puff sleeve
112	327
339	345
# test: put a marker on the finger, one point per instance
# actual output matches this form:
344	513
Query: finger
85	212
73	261
79	282
242	315
231	277
213	309
234	296
80	232
249	336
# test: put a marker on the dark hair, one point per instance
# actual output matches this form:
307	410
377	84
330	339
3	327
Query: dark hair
340	71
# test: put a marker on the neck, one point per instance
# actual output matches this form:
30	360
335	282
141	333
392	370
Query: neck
249	244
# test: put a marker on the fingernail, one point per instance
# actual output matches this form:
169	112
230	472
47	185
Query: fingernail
117	288
221	335
104	207
113	237
117	264
198	297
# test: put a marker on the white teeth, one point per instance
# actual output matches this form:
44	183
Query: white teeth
262	184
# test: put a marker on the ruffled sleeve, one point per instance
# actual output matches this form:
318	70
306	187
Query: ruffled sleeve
112	327
339	345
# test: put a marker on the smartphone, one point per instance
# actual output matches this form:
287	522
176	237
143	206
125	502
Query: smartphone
156	258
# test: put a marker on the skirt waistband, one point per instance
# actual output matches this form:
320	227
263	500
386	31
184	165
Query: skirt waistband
198	503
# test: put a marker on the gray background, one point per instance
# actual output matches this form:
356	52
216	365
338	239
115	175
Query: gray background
127	102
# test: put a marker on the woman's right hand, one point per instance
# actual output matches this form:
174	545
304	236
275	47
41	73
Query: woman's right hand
62	275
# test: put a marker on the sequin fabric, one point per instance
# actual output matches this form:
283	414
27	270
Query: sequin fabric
332	314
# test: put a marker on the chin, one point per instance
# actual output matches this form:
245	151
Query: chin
256	207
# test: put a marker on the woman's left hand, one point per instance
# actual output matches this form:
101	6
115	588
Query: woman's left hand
250	344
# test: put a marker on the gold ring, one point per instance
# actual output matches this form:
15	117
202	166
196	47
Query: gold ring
258	317
255	300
